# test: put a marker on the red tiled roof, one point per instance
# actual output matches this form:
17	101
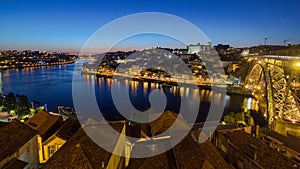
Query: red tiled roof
13	136
16	164
159	161
266	156
187	154
68	129
43	122
165	121
80	151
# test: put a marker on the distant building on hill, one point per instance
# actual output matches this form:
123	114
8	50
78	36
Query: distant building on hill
196	49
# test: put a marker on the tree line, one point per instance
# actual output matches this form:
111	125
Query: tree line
15	104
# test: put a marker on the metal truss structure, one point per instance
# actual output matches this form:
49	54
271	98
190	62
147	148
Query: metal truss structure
270	85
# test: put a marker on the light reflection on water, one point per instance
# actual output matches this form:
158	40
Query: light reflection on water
53	86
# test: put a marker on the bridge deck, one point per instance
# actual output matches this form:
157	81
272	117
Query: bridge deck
296	58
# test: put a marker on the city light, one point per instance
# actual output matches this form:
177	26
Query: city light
256	84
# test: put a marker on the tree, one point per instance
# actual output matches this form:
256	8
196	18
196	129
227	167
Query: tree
17	103
23	106
10	102
230	118
240	118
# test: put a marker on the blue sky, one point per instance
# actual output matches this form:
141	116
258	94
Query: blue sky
66	25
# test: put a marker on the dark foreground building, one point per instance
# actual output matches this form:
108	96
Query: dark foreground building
246	152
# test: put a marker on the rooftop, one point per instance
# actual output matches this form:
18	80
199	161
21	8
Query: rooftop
43	122
159	161
16	164
2	124
16	134
68	129
213	156
187	154
266	156
81	150
165	121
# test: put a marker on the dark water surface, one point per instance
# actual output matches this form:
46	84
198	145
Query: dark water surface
53	86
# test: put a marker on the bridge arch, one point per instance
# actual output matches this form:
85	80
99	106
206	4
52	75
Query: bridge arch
271	87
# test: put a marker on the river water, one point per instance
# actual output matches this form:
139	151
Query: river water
53	86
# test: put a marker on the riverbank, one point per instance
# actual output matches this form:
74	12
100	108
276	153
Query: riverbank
37	65
208	85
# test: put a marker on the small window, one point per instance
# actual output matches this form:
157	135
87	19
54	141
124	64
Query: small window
32	124
51	150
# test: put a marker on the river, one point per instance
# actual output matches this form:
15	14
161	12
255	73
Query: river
53	86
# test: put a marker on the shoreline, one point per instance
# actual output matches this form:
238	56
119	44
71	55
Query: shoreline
169	84
36	66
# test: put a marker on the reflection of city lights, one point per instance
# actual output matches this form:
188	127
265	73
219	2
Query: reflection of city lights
187	92
181	91
152	85
249	103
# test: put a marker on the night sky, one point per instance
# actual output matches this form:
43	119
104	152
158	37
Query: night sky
66	25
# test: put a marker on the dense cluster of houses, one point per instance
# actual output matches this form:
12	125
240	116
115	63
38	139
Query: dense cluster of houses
48	141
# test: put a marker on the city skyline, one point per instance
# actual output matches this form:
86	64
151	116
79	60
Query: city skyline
66	26
149	84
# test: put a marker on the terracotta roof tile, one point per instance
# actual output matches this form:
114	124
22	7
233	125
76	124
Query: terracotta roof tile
266	156
16	164
2	124
43	122
13	136
68	129
188	153
165	121
213	156
81	151
162	161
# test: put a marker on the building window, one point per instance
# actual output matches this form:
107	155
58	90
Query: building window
51	150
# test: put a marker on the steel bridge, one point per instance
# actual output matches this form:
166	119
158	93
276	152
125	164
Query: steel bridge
270	80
